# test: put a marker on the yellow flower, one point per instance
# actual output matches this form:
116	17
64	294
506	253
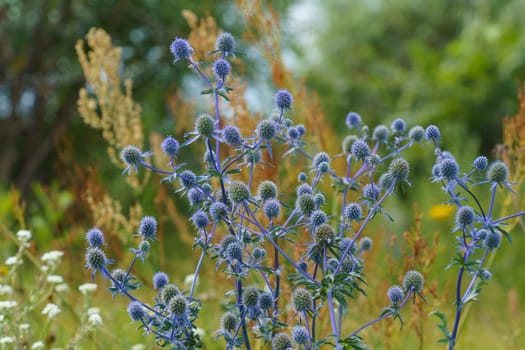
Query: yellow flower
441	211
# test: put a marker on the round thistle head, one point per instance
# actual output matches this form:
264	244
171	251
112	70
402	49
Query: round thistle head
304	189
293	133
234	251
416	134
324	234
319	199
259	253
266	300
398	126
448	168
169	292
178	305
302	265
323	168
131	155
360	149
160	279
226	241
221	68
205	125
353	212
348	141
371	191
200	219
493	240
413	281
498	172
119	275
238	192
373	160
345	243
170	146
482	234
436	171
267	190
302	300
365	244
300	335
380	134
321	157
281	341
180	49
465	216
225	44
148	227
250	297
301	129
136	311
399	169
266	129
232	135
353	120
253	156
272	208
229	322
144	247
218	211
485	274
95	237
195	196
432	132
480	163
317	218
187	179
395	294
95	258
283	100
306	203
302	177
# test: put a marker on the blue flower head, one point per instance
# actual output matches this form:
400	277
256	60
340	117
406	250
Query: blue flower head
432	132
360	149
380	133
395	294
180	49
480	163
353	120
160	279
132	156
200	219
148	227
136	311
283	100
272	208
170	146
232	135
300	335
225	44
95	237
398	126
221	68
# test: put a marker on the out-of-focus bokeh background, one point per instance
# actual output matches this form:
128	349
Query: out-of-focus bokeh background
456	64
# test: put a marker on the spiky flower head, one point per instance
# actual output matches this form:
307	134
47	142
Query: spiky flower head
195	196
302	177
436	171
144	247
259	253
119	275
482	234
169	292
417	133
399	169
200	219
324	234
398	126
226	241
170	146
148	227
480	163
353	212
95	237
136	311
234	251
232	135
187	179
281	341
253	156
238	192
272	208
317	218
266	129
360	149
218	211
160	279
283	100
300	335
250	297
371	191
180	49
319	158
465	216
131	156
448	168
373	160
319	199
267	190
266	300
380	133
221	68
347	144
225	44
302	300
306	203
485	274
413	281
95	258
229	321
365	244
178	305
395	294
498	172
353	120
493	240
301	129
293	133
205	125
432	132
304	189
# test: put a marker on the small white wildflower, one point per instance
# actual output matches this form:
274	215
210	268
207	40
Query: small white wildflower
44	268
52	257
63	287
12	260
1	318
51	310
6	340
188	280
23	235
199	331
138	347
8	304
55	279
23	326
87	287
95	319
37	345
5	289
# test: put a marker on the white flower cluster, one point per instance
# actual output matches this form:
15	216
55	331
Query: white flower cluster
94	317
51	310
87	288
52	258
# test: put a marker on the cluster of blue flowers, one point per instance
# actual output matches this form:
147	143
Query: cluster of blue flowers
258	224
